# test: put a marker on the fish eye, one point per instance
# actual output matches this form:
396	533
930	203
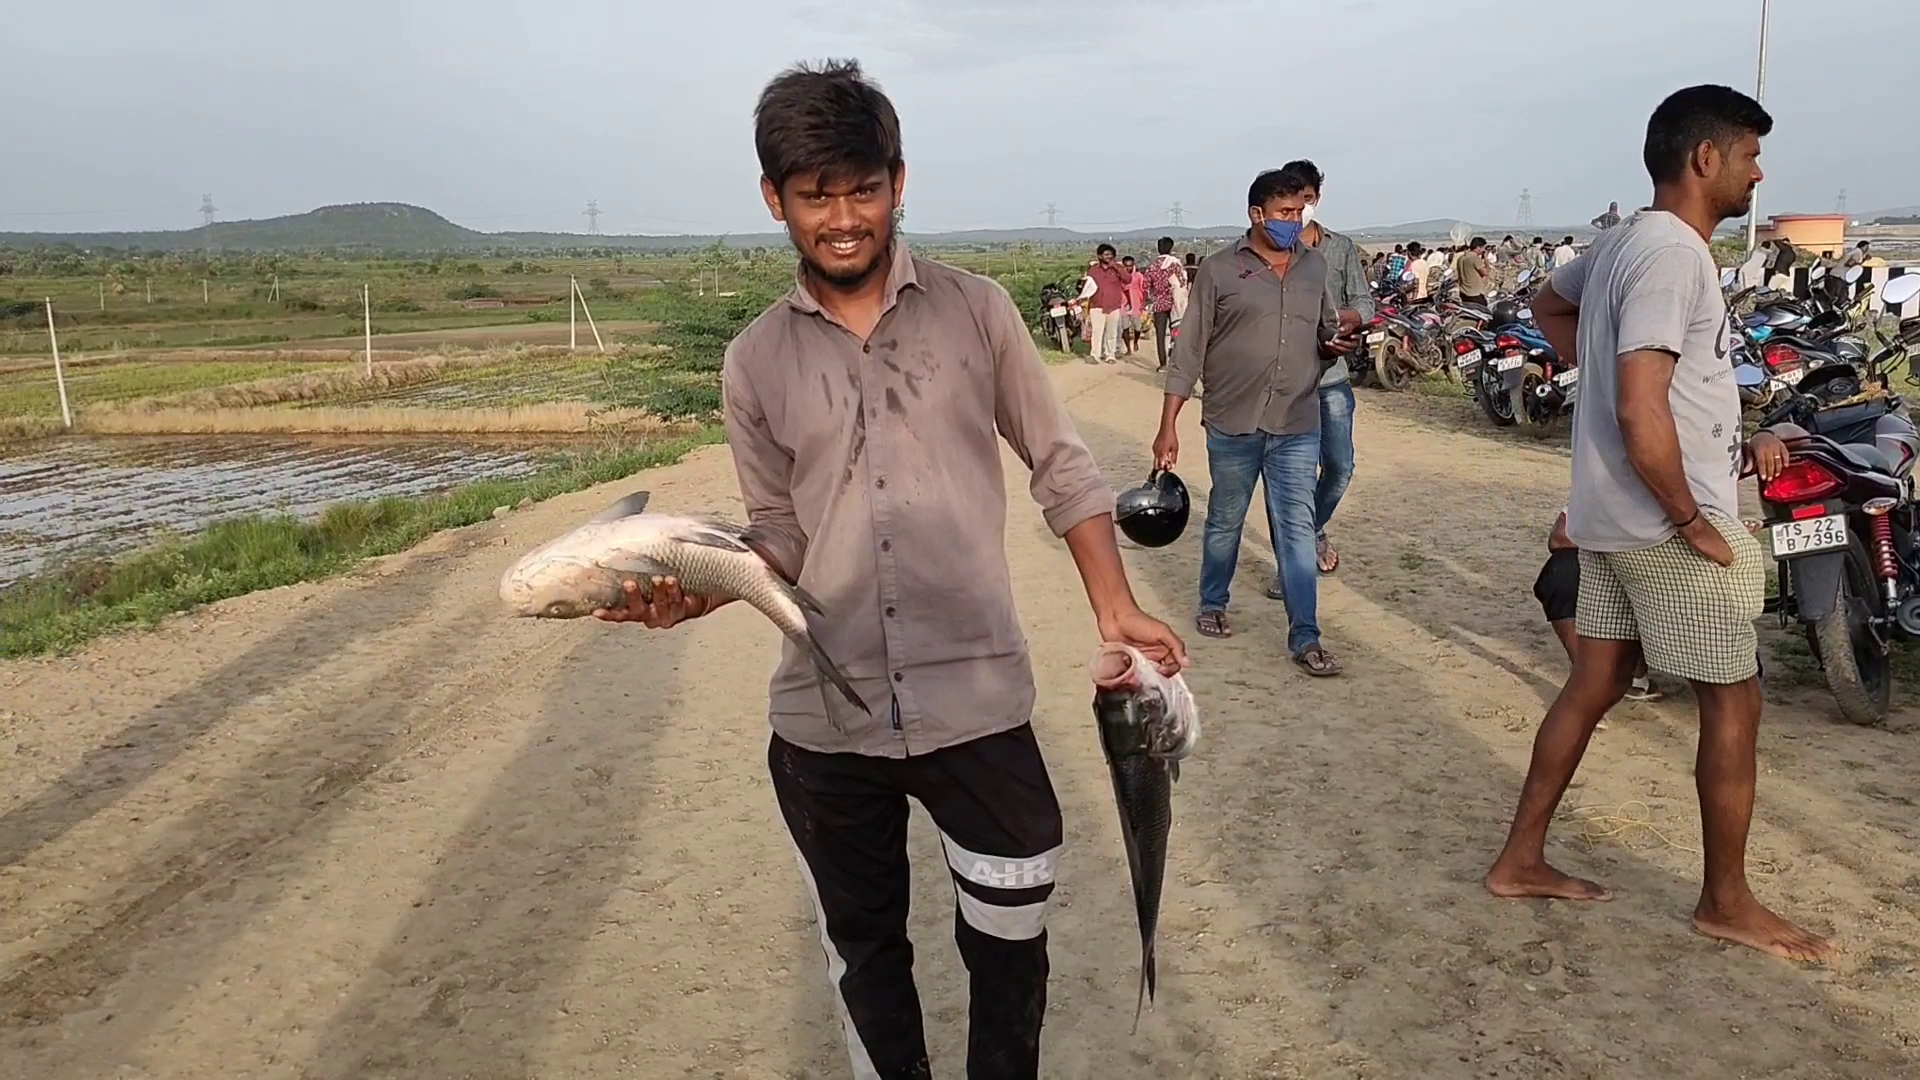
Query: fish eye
558	607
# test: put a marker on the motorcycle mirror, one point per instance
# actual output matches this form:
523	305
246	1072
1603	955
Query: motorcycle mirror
1749	375
1525	276
1732	275
1854	273
1900	290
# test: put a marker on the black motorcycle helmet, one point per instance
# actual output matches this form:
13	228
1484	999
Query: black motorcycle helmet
1155	513
1504	313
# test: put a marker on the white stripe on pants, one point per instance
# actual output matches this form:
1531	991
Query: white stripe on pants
1105	326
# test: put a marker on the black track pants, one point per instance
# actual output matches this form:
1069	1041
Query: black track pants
1160	321
999	825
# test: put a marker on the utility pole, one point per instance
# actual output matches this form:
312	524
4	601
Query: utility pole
1177	215
1053	214
1840	204
1759	92
1524	218
592	214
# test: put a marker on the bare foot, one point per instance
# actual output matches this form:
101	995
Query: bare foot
1754	926
1541	881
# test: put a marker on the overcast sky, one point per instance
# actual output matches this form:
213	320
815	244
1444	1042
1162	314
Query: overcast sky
510	115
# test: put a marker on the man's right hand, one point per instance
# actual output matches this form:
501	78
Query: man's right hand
668	607
1705	539
1166	448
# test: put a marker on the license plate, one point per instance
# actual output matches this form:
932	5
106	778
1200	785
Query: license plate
1376	337
1508	363
1060	312
1809	535
1568	377
1468	360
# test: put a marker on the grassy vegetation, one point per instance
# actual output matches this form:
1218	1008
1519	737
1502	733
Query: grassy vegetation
66	606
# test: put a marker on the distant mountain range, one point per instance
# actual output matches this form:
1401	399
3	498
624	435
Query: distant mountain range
398	228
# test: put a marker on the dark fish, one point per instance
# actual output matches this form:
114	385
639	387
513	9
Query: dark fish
1148	723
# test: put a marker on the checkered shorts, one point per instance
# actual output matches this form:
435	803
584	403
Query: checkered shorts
1693	618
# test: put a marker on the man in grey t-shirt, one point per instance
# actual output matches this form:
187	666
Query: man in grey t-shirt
1667	572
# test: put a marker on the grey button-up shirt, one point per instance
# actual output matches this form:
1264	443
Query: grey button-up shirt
874	466
1347	281
1252	337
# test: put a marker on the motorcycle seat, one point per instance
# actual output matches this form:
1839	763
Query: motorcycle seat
1867	456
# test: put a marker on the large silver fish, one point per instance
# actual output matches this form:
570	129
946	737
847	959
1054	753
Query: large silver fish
1148	722
571	576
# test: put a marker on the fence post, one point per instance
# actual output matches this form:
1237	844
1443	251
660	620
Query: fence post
366	314
59	374
589	312
573	292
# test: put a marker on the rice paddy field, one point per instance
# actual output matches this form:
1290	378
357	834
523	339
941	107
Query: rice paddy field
242	386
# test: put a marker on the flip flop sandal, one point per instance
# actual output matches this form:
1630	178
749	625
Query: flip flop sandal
1213	624
1327	558
1317	662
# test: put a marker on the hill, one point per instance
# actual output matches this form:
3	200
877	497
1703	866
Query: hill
398	228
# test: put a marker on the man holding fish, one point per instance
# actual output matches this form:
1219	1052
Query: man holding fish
861	412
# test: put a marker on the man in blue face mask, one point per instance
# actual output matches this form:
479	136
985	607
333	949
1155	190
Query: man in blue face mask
1261	330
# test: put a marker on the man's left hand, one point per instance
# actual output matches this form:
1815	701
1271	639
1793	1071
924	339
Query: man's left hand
1155	639
1349	321
1767	455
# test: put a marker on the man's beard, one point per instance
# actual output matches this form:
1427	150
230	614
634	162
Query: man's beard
846	280
1737	205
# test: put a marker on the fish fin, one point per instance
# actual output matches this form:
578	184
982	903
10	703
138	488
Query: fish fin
627	507
638	565
1173	771
1146	984
713	533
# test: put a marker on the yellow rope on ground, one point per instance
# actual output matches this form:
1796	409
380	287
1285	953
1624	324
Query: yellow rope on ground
1623	824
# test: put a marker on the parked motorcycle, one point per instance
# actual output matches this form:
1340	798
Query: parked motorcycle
1844	521
1059	315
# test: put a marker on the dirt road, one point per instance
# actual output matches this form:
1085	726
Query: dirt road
370	828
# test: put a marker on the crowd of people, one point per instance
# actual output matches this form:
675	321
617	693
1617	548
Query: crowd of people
883	500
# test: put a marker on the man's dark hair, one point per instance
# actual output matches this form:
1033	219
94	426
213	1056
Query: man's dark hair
1166	245
1414	249
1861	244
1568	241
1509	236
1306	171
1697	114
1274	183
1399	249
1104	249
1126	258
830	118
1538	240
1478	243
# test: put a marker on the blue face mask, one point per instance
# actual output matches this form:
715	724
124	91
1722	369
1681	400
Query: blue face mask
1284	234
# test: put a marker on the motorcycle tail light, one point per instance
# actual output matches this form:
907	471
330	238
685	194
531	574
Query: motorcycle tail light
1802	481
1462	347
1507	341
1781	356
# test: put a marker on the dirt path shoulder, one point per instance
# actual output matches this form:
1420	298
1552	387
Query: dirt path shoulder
371	828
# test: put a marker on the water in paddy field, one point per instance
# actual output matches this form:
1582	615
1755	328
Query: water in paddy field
65	496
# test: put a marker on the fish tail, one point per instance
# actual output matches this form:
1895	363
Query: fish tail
829	671
1146	982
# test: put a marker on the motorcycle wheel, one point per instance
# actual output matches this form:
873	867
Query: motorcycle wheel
1393	366
1528	409
1066	339
1859	672
1494	399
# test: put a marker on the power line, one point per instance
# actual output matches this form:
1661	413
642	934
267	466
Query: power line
1053	214
592	213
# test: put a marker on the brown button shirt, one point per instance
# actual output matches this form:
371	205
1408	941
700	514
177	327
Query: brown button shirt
1253	338
875	467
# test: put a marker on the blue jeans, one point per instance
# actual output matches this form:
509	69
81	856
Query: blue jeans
1336	453
1286	465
